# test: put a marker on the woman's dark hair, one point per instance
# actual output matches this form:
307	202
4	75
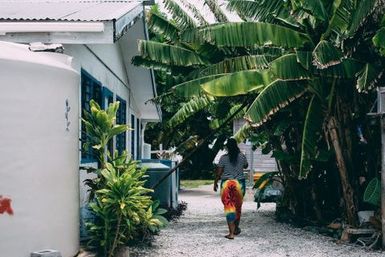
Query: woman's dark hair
232	150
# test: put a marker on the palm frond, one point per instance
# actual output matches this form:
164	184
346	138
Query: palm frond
161	26
168	54
269	52
304	58
347	69
193	106
181	17
340	18
367	77
311	134
273	98
139	61
193	87
287	68
263	11
196	13
325	55
216	10
362	12
315	8
233	110
379	40
248	62
247	34
238	83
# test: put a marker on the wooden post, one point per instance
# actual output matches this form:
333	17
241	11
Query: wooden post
381	112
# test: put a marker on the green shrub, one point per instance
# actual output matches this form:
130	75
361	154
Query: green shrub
121	205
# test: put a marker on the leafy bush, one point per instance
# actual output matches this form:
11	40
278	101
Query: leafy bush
120	203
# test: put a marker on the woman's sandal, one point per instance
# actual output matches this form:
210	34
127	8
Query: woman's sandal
229	237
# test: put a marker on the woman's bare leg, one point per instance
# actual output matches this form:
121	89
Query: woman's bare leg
231	230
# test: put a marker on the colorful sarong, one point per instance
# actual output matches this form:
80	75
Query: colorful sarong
232	192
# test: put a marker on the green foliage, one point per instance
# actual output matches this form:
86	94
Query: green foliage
264	11
367	77
101	128
318	53
216	10
120	203
189	109
273	98
238	83
325	55
181	17
247	34
168	54
311	136
122	208
160	25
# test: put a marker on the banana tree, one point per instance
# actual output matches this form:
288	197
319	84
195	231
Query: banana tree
316	59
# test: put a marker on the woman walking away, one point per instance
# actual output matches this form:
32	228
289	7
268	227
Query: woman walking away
230	171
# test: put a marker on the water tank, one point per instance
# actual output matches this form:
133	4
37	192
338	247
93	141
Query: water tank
39	130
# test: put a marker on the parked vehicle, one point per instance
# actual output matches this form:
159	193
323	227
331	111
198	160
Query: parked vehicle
269	187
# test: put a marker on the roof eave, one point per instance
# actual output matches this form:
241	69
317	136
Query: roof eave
122	25
69	32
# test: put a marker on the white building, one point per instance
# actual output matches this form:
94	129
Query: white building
258	162
101	36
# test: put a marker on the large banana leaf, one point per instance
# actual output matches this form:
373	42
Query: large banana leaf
287	68
248	62
326	54
347	69
316	8
274	97
233	110
193	87
269	52
379	40
181	17
168	54
362	12
247	34
311	134
219	15
190	108
238	83
340	18
139	61
305	58
161	26
366	78
265	10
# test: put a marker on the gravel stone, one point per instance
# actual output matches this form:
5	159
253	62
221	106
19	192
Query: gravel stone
200	232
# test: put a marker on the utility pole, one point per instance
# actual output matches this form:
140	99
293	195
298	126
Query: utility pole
381	112
383	179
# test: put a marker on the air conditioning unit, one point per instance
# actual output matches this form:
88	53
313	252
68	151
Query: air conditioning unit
46	253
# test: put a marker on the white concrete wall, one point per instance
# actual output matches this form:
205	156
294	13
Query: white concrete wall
105	63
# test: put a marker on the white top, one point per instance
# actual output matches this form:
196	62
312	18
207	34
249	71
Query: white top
233	171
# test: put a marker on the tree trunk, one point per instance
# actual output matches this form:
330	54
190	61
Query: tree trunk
346	187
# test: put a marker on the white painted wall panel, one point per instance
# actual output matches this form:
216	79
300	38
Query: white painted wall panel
39	152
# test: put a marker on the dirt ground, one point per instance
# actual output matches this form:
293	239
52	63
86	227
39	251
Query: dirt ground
200	232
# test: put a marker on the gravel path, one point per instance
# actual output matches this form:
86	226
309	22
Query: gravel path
200	233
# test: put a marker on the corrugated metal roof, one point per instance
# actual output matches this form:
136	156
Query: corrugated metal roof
65	11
